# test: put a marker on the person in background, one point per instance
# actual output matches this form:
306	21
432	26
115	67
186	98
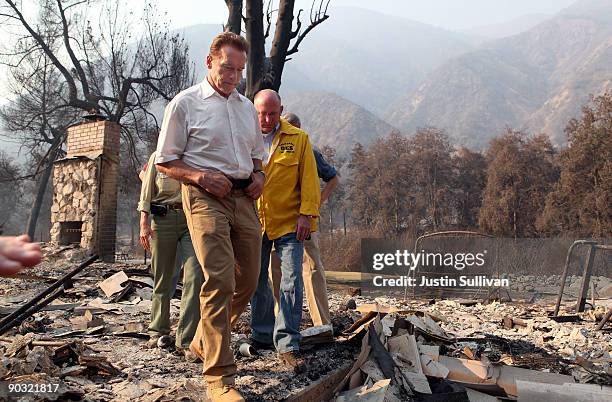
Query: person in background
288	209
160	200
313	272
179	259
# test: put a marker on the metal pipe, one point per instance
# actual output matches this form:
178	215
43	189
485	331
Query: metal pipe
586	278
566	270
56	285
29	312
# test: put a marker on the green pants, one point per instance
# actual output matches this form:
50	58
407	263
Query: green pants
171	231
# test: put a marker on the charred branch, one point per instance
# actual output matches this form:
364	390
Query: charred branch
269	12
316	18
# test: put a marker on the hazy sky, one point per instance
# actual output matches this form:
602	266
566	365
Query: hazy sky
449	14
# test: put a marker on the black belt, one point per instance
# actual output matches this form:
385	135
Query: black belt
240	184
162	209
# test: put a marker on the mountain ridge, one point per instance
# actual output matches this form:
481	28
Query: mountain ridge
535	81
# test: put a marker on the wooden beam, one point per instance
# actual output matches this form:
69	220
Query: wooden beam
323	388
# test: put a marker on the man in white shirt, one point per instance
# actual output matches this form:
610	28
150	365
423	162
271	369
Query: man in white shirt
211	141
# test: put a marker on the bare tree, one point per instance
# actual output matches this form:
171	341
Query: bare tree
110	68
38	113
105	68
234	20
265	71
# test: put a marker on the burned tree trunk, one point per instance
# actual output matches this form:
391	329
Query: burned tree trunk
257	51
282	37
234	20
262	71
40	192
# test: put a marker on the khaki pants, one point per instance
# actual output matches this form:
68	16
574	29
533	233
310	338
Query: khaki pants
169	231
226	236
313	274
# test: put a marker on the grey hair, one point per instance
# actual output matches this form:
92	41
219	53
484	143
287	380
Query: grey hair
293	119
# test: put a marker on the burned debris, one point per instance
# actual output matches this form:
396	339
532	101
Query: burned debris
91	339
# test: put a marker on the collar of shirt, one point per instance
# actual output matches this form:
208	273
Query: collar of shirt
208	91
268	140
275	129
269	137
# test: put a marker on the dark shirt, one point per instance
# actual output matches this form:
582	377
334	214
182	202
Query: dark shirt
324	169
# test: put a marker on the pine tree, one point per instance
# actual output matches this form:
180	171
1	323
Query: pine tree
580	202
520	174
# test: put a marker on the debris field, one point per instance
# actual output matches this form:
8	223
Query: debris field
91	338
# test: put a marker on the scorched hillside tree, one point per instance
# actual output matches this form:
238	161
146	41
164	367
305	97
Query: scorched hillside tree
106	60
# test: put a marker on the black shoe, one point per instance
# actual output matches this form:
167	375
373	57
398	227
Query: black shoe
260	345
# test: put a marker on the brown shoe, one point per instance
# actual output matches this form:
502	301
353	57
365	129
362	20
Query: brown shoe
227	393
293	361
191	357
194	352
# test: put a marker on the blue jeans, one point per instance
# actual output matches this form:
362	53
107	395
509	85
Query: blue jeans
284	331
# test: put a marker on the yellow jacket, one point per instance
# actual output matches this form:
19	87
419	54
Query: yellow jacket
292	184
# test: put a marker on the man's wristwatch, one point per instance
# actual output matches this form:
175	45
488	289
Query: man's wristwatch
260	171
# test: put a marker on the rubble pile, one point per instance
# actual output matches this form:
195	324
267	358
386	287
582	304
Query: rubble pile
91	338
411	350
102	318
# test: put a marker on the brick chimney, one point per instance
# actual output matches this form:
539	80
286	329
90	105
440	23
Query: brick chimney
84	209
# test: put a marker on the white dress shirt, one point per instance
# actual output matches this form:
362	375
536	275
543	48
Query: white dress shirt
268	139
208	131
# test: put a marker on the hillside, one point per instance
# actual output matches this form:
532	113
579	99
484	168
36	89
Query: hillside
535	81
332	120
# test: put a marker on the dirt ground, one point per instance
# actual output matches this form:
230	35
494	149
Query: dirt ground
109	361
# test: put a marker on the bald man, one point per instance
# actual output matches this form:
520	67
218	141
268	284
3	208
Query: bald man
288	208
313	271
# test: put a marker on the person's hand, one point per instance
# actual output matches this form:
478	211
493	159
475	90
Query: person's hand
146	233
215	183
16	253
255	189
302	229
